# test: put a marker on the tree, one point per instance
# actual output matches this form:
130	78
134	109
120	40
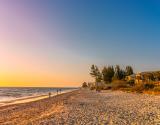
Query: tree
119	73
104	74
84	85
108	73
96	73
129	70
122	74
93	72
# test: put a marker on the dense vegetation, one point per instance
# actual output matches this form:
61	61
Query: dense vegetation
114	77
110	73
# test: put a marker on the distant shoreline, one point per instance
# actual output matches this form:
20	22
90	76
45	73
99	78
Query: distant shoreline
31	98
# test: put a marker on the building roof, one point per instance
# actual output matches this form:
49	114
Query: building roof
133	75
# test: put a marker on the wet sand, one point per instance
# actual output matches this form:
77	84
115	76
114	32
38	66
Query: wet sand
85	107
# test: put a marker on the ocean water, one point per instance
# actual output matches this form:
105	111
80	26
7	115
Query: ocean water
9	94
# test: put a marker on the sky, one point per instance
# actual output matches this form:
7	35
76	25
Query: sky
53	43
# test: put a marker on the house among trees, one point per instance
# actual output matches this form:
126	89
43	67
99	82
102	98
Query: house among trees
131	77
145	77
111	74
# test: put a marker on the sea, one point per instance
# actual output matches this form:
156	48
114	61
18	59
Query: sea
10	94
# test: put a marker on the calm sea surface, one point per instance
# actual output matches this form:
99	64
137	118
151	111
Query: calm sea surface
8	94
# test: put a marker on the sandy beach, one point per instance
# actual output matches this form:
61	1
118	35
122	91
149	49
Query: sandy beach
85	107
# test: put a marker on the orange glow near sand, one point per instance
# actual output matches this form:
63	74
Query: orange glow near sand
32	80
21	69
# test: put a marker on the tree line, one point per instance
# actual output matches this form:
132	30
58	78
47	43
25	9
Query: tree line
110	73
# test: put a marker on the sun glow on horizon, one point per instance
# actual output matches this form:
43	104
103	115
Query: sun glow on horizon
54	43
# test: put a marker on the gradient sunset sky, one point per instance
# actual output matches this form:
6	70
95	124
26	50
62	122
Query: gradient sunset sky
54	42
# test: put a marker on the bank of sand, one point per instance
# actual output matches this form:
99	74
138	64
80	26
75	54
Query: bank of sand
85	107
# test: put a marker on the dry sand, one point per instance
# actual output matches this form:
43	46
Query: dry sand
85	107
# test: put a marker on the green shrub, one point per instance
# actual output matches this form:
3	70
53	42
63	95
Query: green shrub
157	89
142	87
131	82
84	85
139	88
149	86
99	88
107	87
129	89
119	84
92	88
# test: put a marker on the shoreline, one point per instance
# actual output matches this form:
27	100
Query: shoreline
31	98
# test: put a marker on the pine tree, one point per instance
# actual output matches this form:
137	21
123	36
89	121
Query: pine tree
129	70
108	73
96	73
119	73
